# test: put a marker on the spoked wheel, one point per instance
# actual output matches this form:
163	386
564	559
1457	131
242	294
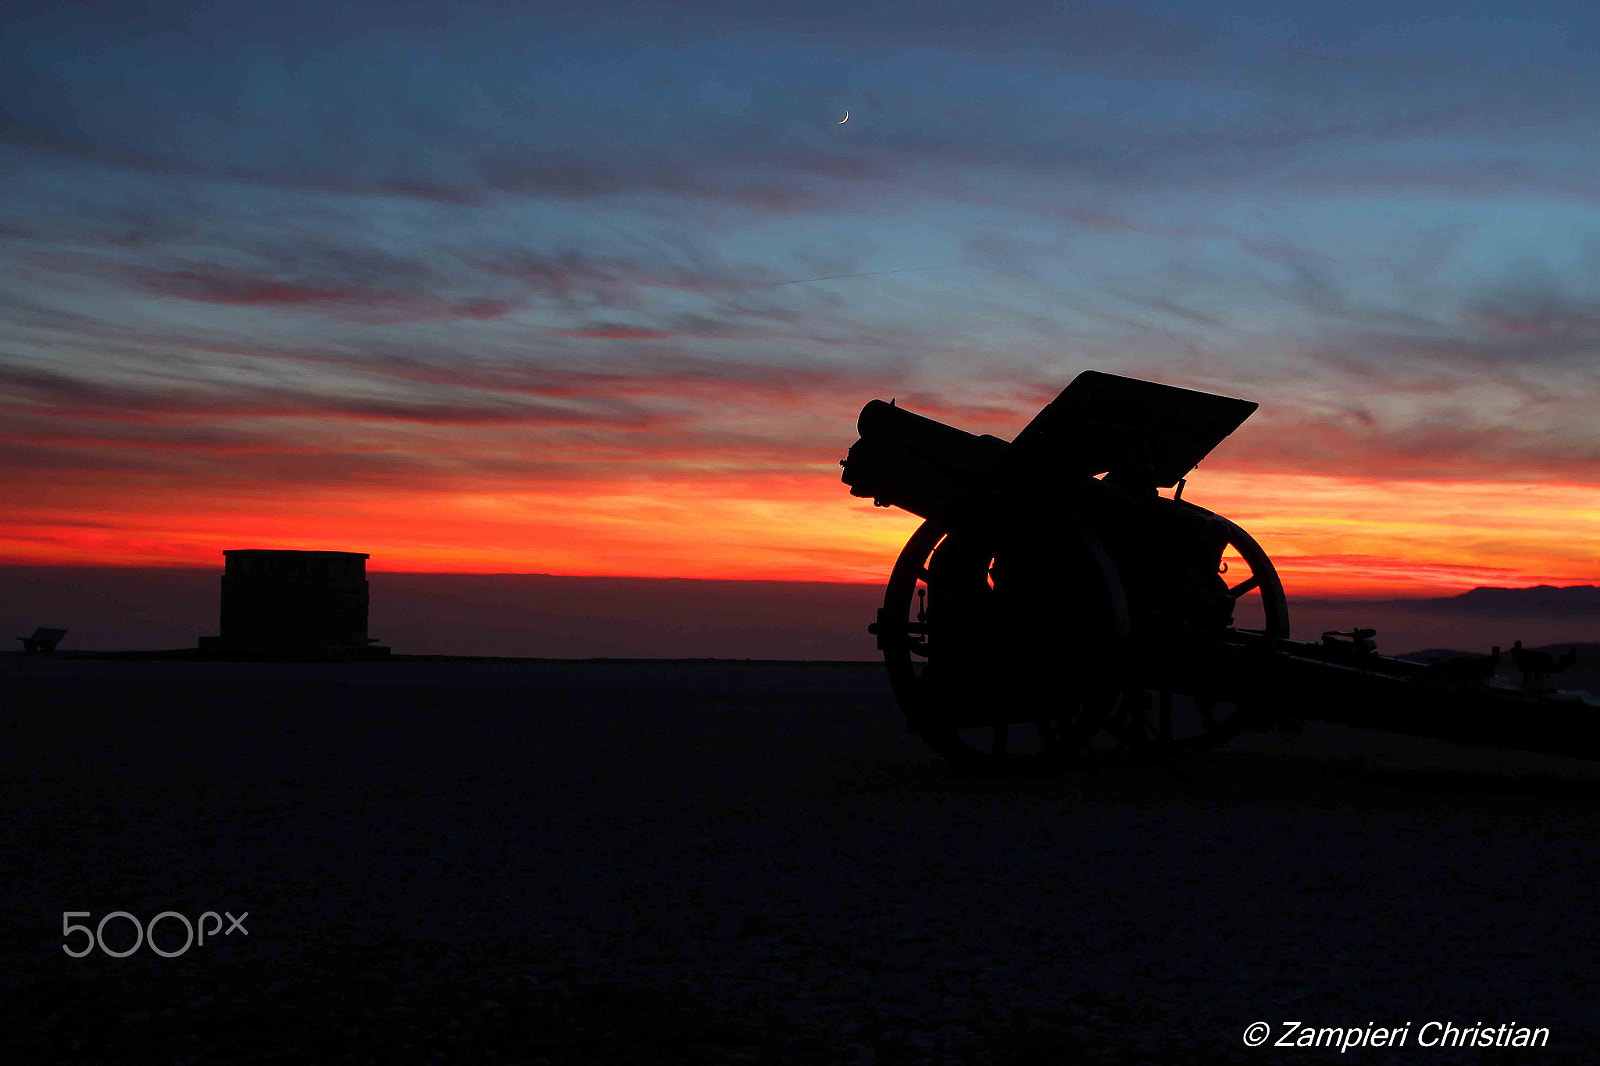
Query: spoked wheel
1181	717
992	674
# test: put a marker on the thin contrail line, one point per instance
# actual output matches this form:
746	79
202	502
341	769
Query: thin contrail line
876	273
868	274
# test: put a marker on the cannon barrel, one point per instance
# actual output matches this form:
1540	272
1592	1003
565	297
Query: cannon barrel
915	462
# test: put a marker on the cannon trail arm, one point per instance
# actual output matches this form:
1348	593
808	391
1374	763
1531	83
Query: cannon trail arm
1299	679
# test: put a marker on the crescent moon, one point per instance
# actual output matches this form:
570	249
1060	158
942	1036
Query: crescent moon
842	121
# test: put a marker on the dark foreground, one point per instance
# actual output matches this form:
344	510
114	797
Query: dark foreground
748	862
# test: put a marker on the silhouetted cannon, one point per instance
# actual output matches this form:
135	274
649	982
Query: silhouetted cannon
1054	605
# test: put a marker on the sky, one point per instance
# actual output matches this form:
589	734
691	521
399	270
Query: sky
479	287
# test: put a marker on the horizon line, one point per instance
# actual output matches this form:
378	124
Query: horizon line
1395	597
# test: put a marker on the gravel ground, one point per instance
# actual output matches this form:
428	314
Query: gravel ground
636	862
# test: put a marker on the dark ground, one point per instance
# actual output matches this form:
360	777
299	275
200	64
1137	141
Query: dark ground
747	862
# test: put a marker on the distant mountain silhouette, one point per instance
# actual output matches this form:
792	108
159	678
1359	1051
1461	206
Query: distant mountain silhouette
1588	654
1540	601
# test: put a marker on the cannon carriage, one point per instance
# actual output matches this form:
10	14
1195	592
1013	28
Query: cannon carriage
1055	608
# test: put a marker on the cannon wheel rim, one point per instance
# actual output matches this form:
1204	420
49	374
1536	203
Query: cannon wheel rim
1062	740
1145	719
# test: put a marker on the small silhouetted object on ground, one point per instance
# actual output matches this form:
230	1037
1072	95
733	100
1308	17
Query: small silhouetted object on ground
1055	609
1356	642
281	603
43	641
1537	666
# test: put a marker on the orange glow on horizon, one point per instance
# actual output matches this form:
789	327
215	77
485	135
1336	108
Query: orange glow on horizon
1328	536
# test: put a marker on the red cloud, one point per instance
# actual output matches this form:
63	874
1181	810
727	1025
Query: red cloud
1540	326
